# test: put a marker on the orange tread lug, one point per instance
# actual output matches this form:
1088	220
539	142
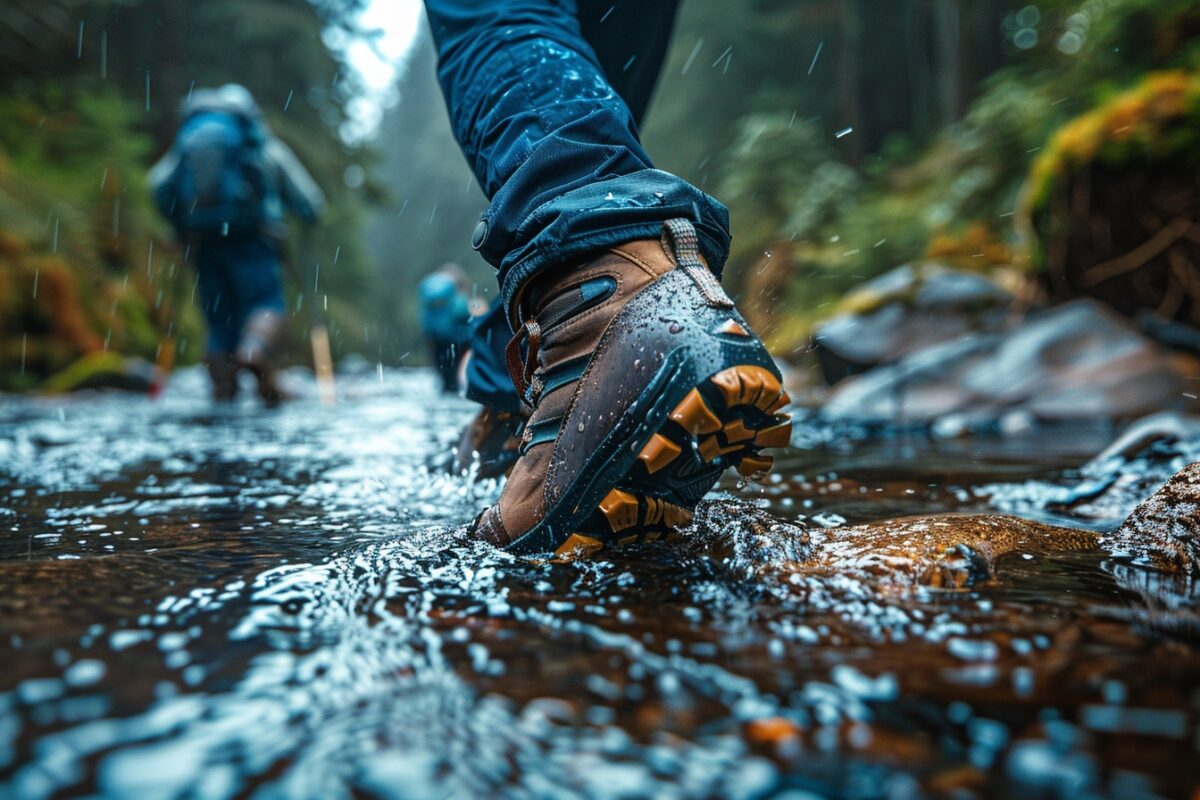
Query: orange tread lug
730	384
747	384
776	436
675	516
779	402
710	448
694	415
578	546
654	510
754	465
620	509
737	431
659	452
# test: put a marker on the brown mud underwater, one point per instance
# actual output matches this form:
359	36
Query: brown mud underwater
200	602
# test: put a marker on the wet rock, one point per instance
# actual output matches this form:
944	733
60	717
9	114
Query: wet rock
1167	427
1164	531
1137	463
948	551
903	311
1076	361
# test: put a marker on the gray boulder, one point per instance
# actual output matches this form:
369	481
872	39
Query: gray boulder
903	311
1079	360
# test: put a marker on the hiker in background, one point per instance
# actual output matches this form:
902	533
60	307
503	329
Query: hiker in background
446	319
224	185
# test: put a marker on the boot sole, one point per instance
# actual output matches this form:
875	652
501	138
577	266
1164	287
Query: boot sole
727	420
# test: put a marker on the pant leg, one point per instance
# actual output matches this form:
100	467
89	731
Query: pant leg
445	360
487	377
630	39
217	297
255	276
551	142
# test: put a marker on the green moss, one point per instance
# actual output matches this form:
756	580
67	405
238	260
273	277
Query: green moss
1158	119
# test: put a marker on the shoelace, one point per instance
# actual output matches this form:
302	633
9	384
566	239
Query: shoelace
521	371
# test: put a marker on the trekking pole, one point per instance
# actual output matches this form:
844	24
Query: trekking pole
164	361
318	332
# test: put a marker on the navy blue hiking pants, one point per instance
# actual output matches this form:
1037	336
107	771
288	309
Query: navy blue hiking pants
544	98
237	277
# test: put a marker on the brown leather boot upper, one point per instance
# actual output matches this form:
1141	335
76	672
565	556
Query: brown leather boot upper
632	267
646	386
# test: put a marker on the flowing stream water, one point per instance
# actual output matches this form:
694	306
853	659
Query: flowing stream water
210	603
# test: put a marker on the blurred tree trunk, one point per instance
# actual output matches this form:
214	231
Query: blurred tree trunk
918	70
849	59
948	61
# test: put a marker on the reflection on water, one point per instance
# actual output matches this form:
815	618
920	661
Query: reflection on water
214	604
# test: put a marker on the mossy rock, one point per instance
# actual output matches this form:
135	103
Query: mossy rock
1111	207
104	370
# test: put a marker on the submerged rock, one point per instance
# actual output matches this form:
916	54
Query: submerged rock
943	550
1076	361
947	551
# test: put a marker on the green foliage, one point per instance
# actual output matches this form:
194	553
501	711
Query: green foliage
953	196
85	264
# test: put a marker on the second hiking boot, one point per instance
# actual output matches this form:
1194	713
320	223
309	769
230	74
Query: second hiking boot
256	352
646	385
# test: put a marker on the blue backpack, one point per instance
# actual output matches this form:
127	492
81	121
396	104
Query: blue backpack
220	182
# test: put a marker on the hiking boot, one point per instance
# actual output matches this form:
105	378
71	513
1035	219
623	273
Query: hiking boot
492	438
256	352
646	385
223	374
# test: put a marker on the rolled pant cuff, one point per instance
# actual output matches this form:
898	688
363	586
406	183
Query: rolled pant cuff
590	219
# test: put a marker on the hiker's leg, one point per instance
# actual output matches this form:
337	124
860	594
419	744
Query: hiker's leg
262	324
257	278
216	297
551	141
487	377
644	382
630	40
445	360
217	304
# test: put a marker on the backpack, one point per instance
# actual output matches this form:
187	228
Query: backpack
220	182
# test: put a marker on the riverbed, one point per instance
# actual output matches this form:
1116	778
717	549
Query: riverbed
227	602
